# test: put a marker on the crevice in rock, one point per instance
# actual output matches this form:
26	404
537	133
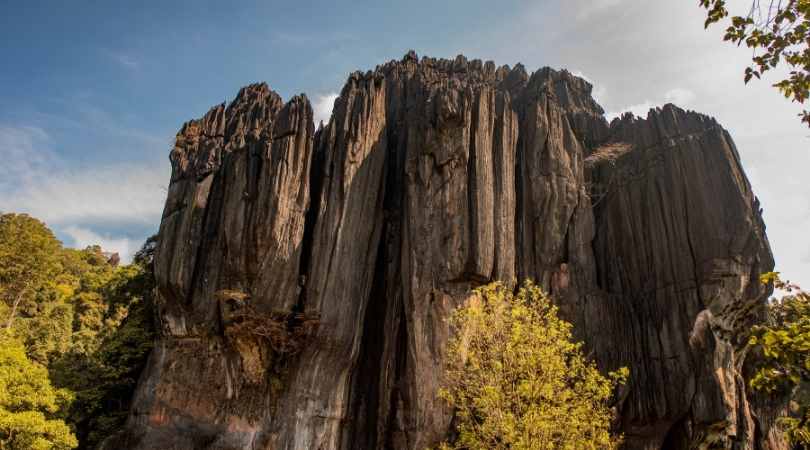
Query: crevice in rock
677	437
472	182
283	135
254	166
316	180
691	246
520	257
208	235
366	385
398	390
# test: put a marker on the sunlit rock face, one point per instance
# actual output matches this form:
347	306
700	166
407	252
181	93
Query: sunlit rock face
433	177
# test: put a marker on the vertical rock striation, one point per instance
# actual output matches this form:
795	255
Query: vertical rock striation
432	177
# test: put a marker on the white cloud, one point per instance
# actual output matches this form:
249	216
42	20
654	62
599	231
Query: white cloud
74	200
678	96
35	180
592	8
322	107
123	59
83	237
115	193
638	110
579	73
599	92
774	166
22	154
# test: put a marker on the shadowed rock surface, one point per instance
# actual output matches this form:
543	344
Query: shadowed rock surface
433	177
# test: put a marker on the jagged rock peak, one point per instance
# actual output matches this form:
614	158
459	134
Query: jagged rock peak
461	69
432	177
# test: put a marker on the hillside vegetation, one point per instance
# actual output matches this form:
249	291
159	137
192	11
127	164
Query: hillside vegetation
76	330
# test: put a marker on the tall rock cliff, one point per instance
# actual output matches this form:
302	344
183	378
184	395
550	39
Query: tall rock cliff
304	277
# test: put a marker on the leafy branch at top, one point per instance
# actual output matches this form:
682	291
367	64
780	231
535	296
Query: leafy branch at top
777	32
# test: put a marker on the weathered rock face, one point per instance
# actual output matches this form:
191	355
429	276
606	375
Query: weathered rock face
431	178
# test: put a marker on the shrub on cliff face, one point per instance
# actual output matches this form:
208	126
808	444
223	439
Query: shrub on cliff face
517	379
265	341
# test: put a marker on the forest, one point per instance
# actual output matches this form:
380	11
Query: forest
77	328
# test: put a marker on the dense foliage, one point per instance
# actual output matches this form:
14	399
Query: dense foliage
517	380
30	406
784	348
83	322
777	31
29	253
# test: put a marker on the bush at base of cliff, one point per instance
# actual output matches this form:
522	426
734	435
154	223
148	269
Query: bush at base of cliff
517	379
784	365
30	407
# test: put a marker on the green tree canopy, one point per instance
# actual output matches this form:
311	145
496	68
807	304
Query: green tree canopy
30	407
103	366
517	379
80	321
56	299
29	260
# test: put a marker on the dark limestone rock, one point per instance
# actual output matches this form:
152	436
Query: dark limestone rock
432	177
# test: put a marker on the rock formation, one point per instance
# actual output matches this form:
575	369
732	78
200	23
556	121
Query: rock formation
350	245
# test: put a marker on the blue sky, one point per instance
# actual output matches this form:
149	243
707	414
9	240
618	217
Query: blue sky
93	92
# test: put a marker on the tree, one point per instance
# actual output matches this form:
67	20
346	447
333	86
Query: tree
29	405
517	380
92	276
29	259
777	32
104	375
84	321
784	349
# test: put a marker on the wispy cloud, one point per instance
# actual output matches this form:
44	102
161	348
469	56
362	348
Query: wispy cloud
83	237
591	8
75	200
124	193
123	59
102	121
322	107
23	153
599	92
310	38
638	110
678	96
